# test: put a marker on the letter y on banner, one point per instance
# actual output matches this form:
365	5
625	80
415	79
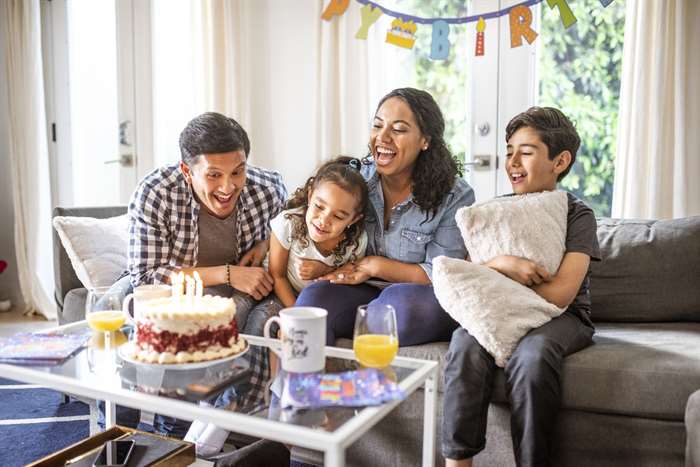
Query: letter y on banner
369	17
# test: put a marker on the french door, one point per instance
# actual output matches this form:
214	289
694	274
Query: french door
502	84
97	74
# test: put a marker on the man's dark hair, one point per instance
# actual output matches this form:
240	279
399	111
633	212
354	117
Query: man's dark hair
212	133
555	130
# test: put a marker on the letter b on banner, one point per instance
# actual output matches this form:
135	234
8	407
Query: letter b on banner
440	48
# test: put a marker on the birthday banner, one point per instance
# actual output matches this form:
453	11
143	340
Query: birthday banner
404	27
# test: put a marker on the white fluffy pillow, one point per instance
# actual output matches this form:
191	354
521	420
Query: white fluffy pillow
531	226
97	248
494	309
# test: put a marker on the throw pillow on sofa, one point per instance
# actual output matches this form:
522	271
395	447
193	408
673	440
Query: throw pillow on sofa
494	309
97	248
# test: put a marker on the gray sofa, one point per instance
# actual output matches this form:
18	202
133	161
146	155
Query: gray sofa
623	399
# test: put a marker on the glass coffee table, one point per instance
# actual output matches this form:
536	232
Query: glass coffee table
95	374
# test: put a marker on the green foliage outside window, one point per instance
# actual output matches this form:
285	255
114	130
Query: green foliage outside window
446	79
580	70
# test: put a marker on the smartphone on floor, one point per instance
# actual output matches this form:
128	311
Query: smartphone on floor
114	453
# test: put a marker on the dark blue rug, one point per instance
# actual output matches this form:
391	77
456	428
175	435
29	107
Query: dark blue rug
22	443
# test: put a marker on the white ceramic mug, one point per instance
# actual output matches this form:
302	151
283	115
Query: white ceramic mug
303	338
143	293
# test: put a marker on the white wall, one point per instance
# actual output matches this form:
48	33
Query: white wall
9	282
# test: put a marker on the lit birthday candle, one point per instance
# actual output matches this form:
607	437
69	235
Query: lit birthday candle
175	286
480	26
189	287
198	286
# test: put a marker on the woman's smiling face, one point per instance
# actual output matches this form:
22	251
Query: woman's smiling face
396	139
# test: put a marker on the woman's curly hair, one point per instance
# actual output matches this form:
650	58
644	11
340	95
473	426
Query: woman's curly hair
436	169
345	172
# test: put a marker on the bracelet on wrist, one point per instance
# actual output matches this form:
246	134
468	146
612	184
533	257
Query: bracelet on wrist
228	275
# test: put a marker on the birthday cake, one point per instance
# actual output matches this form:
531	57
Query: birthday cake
186	329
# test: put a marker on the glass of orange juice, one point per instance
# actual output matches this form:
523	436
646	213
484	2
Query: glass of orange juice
376	341
103	313
103	309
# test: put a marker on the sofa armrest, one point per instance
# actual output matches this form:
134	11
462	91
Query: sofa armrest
692	428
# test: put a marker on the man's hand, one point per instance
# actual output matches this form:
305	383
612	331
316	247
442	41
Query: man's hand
256	255
520	270
310	269
254	281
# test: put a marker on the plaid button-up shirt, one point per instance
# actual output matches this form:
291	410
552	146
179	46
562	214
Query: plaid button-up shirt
164	214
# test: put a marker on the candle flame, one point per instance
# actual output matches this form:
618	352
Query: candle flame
481	24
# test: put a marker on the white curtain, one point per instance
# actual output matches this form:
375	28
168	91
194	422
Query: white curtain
28	151
303	88
657	167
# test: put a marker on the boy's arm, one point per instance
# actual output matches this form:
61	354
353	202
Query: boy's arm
279	256
562	288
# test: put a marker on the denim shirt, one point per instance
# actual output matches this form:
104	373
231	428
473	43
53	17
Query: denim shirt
408	239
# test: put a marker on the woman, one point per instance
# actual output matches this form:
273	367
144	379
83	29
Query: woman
414	191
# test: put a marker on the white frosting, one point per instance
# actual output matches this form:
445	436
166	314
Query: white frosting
206	308
183	326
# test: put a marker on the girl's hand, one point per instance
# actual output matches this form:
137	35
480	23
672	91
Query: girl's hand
310	269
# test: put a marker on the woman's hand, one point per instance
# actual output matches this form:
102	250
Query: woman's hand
520	270
310	269
351	273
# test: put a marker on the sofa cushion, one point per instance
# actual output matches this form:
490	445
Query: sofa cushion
65	277
649	273
97	248
642	370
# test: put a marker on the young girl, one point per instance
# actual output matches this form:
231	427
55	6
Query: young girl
321	229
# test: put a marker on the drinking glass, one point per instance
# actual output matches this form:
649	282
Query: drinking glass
376	340
103	309
103	312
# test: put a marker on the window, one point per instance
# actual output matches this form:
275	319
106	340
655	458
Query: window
579	72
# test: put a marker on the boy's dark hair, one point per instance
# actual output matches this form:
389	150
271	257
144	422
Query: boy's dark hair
555	130
212	133
345	172
435	170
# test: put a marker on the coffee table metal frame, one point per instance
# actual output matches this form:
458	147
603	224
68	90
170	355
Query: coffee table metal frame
332	444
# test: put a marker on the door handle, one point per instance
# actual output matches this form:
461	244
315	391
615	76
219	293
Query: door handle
479	162
125	160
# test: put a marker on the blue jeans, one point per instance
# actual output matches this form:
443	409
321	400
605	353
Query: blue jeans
419	316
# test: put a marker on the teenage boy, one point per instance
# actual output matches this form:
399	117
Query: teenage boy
542	145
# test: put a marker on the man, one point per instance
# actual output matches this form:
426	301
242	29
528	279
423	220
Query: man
209	213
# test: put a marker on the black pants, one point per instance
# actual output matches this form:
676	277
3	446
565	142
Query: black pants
532	383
